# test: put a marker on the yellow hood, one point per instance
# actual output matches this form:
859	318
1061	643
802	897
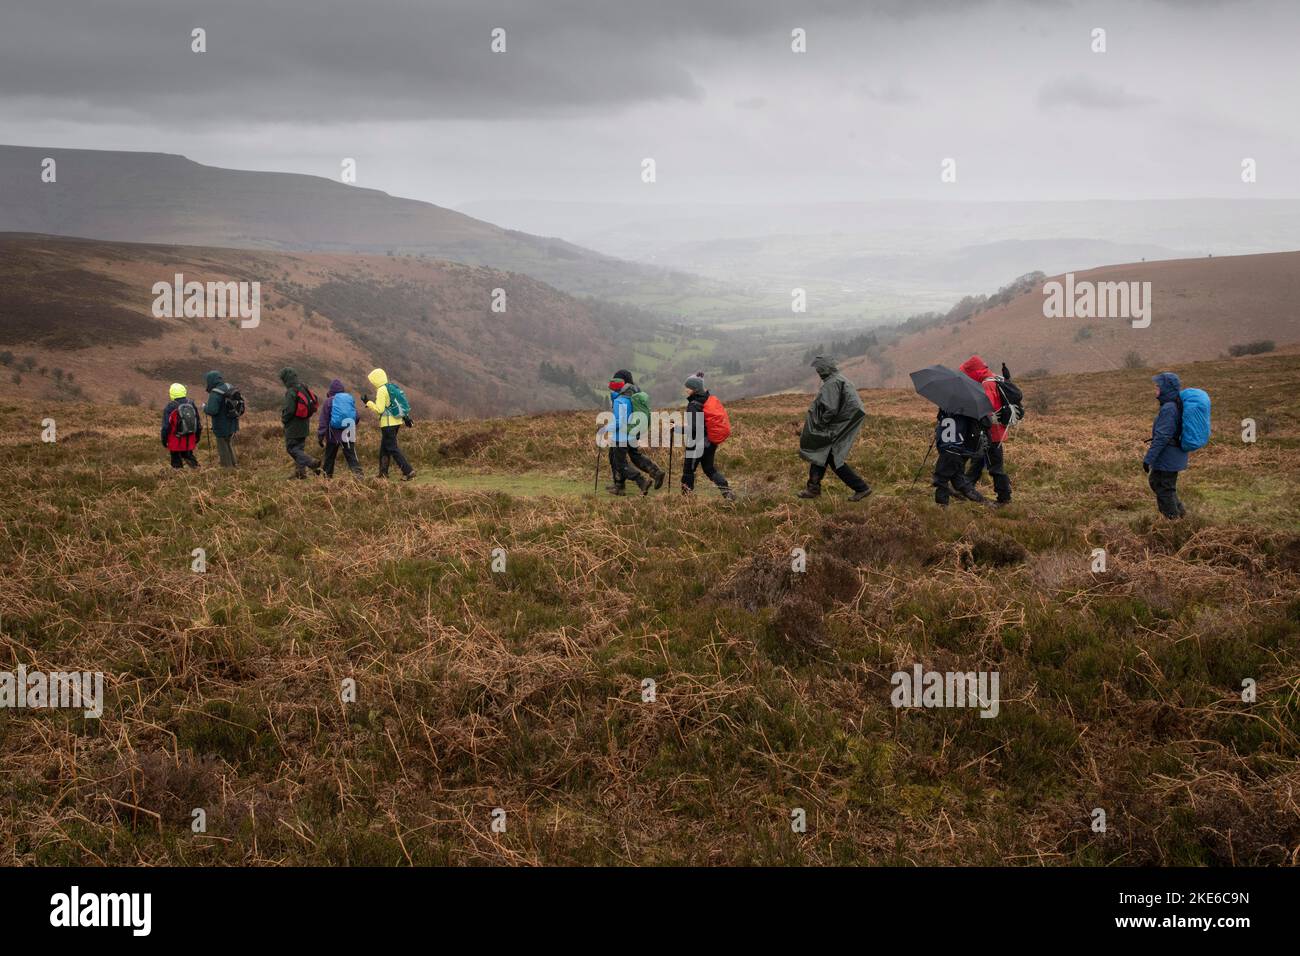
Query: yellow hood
377	378
177	391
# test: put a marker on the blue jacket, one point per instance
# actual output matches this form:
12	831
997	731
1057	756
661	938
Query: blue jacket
617	428
1165	453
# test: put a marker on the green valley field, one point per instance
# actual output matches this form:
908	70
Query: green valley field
523	690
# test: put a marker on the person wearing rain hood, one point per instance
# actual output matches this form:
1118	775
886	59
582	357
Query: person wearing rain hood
1166	458
830	429
181	428
295	414
220	408
389	404
337	428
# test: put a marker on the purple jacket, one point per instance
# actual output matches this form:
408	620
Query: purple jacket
332	435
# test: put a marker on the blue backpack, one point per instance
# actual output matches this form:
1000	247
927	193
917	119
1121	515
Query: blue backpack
343	410
1194	431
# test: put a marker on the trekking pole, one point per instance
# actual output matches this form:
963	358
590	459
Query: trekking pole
923	461
596	488
671	432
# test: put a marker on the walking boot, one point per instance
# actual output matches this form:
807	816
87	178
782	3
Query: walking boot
814	490
859	495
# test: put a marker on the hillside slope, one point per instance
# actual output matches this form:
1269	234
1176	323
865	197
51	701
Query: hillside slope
166	198
1200	309
76	318
524	689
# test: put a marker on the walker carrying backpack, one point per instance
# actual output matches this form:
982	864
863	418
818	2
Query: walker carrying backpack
187	419
343	409
717	426
1012	412
307	402
1194	429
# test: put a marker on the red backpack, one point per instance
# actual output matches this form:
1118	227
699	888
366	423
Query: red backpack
717	426
307	403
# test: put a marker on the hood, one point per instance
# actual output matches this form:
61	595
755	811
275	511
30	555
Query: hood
176	391
288	376
212	380
378	378
623	375
824	366
975	368
1170	386
335	387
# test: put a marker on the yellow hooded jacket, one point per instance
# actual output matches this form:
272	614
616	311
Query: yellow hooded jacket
379	379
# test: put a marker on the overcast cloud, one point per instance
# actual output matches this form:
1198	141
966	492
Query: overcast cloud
709	88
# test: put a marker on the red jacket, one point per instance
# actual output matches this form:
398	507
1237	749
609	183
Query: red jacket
976	369
173	441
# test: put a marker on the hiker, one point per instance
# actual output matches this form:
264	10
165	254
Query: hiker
299	405
639	427
394	411
708	419
830	429
993	456
337	428
1170	443
956	439
620	467
181	428
224	406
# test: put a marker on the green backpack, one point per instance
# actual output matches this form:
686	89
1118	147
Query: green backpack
639	423
397	398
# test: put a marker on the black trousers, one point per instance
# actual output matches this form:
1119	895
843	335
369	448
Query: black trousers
641	460
349	454
620	466
950	469
706	464
295	446
389	450
182	458
1165	486
844	472
993	459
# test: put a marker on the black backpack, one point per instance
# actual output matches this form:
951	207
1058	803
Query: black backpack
232	402
965	436
187	419
1012	411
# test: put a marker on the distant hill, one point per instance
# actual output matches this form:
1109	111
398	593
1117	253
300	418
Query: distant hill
76	319
1200	309
166	198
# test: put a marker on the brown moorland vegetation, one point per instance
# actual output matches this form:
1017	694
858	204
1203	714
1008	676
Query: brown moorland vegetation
523	690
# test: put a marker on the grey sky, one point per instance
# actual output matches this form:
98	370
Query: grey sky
708	88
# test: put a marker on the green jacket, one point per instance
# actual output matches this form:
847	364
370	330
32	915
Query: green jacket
294	427
223	425
834	418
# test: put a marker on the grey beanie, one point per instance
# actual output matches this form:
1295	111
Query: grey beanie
695	383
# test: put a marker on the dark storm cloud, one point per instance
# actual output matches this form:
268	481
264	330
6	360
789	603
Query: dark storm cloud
339	60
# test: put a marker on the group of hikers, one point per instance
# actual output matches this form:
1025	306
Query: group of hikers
336	423
969	436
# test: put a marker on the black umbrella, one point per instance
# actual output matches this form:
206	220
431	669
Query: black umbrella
953	391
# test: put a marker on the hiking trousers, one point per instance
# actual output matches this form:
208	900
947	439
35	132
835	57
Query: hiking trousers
993	459
950	469
1165	486
182	458
844	472
706	464
349	455
225	451
620	467
294	446
641	460
390	451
